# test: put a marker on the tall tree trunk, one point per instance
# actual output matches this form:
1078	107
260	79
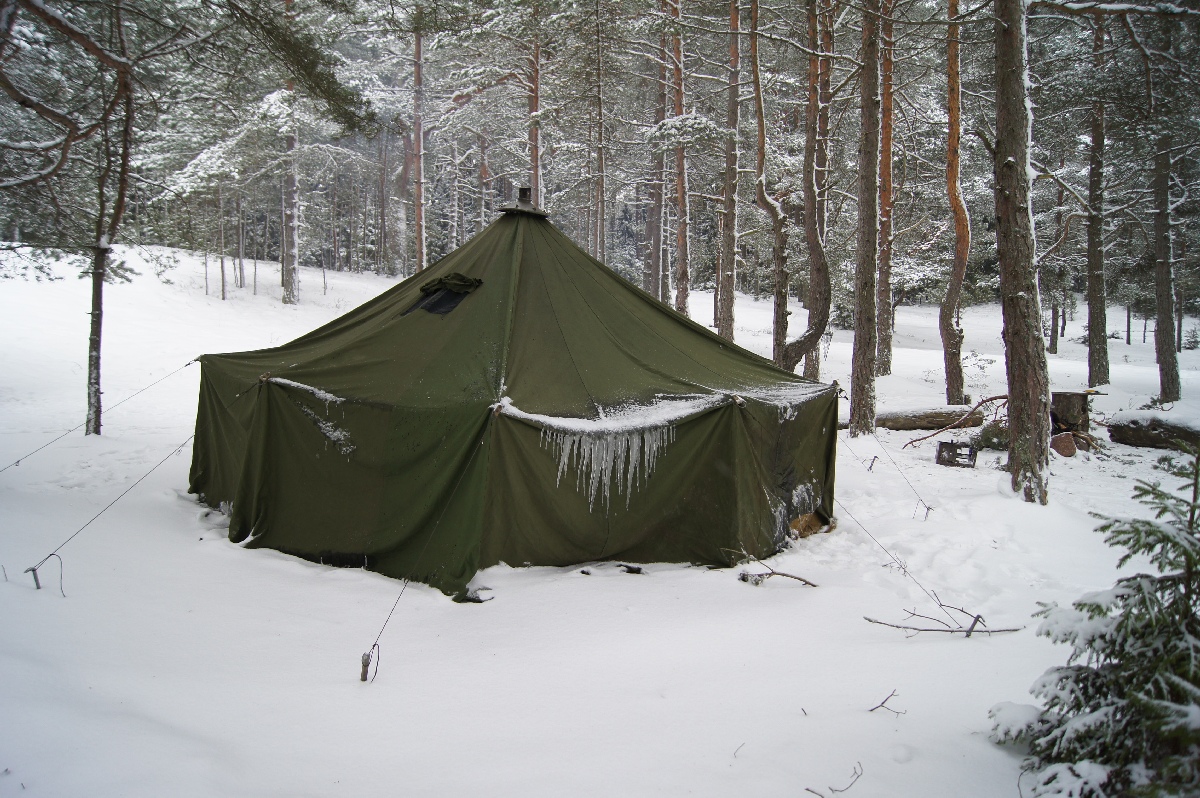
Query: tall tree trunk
485	183
601	165
454	198
1164	290
862	374
1025	352
772	207
1179	303
681	177
653	270
108	225
240	282
1097	298
403	178
654	219
883	291
336	259
952	334
221	236
1057	290
290	234
99	271
724	284
535	125
664	278
816	175
418	154
382	258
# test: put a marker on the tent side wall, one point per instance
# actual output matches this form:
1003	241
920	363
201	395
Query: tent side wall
223	417
351	483
725	485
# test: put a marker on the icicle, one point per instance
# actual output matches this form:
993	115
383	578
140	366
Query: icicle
620	448
604	458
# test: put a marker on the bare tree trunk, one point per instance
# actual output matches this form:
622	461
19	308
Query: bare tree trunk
654	219
883	291
99	270
653	273
382	258
106	233
816	171
1179	302
1057	291
1096	295
418	154
289	235
1164	291
862	374
535	125
724	284
454	198
221	236
240	282
485	183
403	177
601	166
336	259
681	177
952	334
772	207
1025	352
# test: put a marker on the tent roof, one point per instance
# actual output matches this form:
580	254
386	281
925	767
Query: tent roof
547	326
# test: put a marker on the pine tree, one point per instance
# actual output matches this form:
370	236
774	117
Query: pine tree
1122	717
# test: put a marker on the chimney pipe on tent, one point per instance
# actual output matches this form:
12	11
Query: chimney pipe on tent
524	203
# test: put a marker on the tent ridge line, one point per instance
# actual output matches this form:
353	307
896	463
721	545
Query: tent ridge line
506	341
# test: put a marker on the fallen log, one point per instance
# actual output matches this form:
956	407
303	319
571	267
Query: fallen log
1152	429
961	421
930	418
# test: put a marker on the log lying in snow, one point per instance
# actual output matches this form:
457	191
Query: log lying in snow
929	418
1154	429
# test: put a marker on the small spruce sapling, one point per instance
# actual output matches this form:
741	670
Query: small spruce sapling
1122	717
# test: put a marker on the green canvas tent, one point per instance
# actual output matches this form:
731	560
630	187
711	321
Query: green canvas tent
517	402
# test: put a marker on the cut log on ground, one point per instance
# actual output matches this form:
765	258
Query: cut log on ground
1152	430
930	418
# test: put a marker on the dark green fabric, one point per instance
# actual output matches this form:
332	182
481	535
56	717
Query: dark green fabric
406	442
453	282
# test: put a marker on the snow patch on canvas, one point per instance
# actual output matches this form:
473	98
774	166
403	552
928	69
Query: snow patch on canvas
324	396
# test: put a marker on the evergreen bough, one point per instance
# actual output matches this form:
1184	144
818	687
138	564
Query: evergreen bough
1122	717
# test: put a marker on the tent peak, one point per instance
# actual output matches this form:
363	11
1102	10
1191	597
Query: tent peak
524	204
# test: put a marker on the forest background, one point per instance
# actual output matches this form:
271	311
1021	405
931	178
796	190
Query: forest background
856	156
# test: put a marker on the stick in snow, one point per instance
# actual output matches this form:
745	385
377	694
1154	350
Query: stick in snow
980	404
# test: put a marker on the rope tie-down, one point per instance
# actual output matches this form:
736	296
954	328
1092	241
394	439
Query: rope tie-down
33	569
17	462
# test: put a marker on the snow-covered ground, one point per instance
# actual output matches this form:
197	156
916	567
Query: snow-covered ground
180	664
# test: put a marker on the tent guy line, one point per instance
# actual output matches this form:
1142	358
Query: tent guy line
375	649
870	467
33	569
899	563
110	409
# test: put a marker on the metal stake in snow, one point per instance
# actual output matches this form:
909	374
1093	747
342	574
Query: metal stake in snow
366	662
